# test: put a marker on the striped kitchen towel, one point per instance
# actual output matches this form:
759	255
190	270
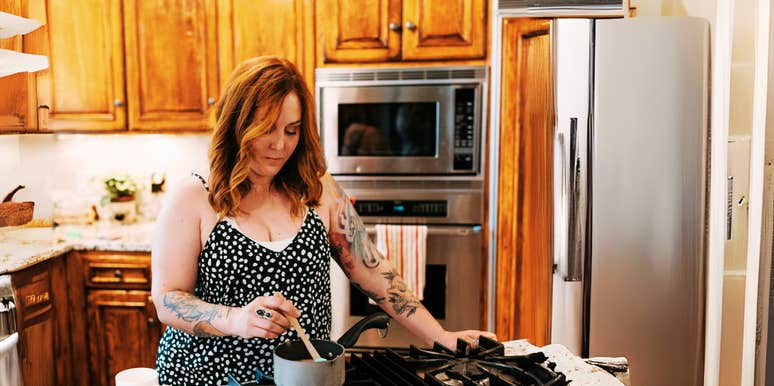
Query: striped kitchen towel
405	246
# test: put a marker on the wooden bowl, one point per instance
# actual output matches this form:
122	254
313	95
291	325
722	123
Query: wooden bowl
16	213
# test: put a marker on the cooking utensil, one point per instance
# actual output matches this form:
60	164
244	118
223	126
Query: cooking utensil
302	334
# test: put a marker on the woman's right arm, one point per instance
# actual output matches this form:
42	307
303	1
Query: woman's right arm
174	255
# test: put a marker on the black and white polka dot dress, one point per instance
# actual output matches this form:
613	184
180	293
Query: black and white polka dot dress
234	270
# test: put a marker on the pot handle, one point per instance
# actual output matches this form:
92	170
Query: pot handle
376	320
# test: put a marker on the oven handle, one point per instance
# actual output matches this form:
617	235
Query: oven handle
441	230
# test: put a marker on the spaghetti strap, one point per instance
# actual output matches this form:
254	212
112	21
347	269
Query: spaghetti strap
204	182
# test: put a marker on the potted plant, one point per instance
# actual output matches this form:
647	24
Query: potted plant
120	197
120	188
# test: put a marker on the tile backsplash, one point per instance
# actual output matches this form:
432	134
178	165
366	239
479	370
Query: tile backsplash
73	166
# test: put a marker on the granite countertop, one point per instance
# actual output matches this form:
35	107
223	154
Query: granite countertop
22	247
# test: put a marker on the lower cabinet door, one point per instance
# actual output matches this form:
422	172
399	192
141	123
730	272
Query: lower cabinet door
124	332
36	356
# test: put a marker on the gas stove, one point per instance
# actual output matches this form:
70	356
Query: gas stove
440	366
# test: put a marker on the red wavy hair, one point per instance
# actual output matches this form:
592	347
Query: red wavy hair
260	85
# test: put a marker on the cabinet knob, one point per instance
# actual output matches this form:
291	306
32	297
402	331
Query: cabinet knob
117	103
118	273
210	101
394	27
151	321
410	26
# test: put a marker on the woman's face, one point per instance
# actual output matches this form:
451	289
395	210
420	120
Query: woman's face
273	149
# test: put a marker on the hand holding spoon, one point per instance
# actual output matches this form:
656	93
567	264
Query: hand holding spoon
302	334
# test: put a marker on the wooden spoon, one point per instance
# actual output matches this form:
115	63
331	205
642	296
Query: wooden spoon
302	334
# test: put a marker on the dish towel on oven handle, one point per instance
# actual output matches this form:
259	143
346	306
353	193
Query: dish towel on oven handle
405	247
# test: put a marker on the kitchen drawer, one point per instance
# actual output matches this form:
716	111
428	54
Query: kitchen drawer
119	271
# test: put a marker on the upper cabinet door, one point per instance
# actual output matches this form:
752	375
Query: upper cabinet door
444	29
17	101
83	87
171	63
286	29
359	31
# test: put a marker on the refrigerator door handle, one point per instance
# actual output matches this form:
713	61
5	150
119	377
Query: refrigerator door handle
561	231
575	221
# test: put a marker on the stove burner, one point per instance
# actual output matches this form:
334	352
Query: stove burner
485	365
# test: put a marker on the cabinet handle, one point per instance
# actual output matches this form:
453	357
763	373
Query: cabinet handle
410	26
118	273
210	101
43	111
117	103
394	27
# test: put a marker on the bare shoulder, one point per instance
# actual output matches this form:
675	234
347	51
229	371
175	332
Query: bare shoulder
188	192
186	210
331	199
332	191
189	196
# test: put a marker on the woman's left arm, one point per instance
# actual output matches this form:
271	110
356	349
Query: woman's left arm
370	272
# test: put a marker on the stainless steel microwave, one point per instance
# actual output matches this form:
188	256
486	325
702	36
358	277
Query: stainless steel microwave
406	121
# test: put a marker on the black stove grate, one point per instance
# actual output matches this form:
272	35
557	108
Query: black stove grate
486	365
466	366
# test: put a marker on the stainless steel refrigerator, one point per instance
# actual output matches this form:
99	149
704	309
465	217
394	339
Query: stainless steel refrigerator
630	171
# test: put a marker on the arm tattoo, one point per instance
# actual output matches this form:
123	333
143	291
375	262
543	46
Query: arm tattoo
403	301
371	295
350	237
192	309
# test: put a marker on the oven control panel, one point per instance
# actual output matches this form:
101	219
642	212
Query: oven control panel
464	118
401	208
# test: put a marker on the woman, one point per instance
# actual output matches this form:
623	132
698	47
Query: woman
269	221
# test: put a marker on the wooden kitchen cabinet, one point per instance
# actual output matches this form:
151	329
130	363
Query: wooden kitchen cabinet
17	101
401	30
524	218
171	63
121	320
124	332
83	88
290	33
44	333
165	52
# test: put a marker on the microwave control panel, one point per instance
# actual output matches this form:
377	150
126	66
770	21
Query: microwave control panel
464	118
401	208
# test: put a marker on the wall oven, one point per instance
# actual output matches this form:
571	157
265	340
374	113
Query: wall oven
409	121
455	265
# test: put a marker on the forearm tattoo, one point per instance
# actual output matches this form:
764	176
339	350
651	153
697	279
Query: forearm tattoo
398	294
371	295
193	310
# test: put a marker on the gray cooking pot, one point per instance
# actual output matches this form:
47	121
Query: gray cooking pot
293	365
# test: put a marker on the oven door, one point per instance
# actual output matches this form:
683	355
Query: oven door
453	286
399	129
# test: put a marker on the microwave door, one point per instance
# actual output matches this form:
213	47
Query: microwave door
382	130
